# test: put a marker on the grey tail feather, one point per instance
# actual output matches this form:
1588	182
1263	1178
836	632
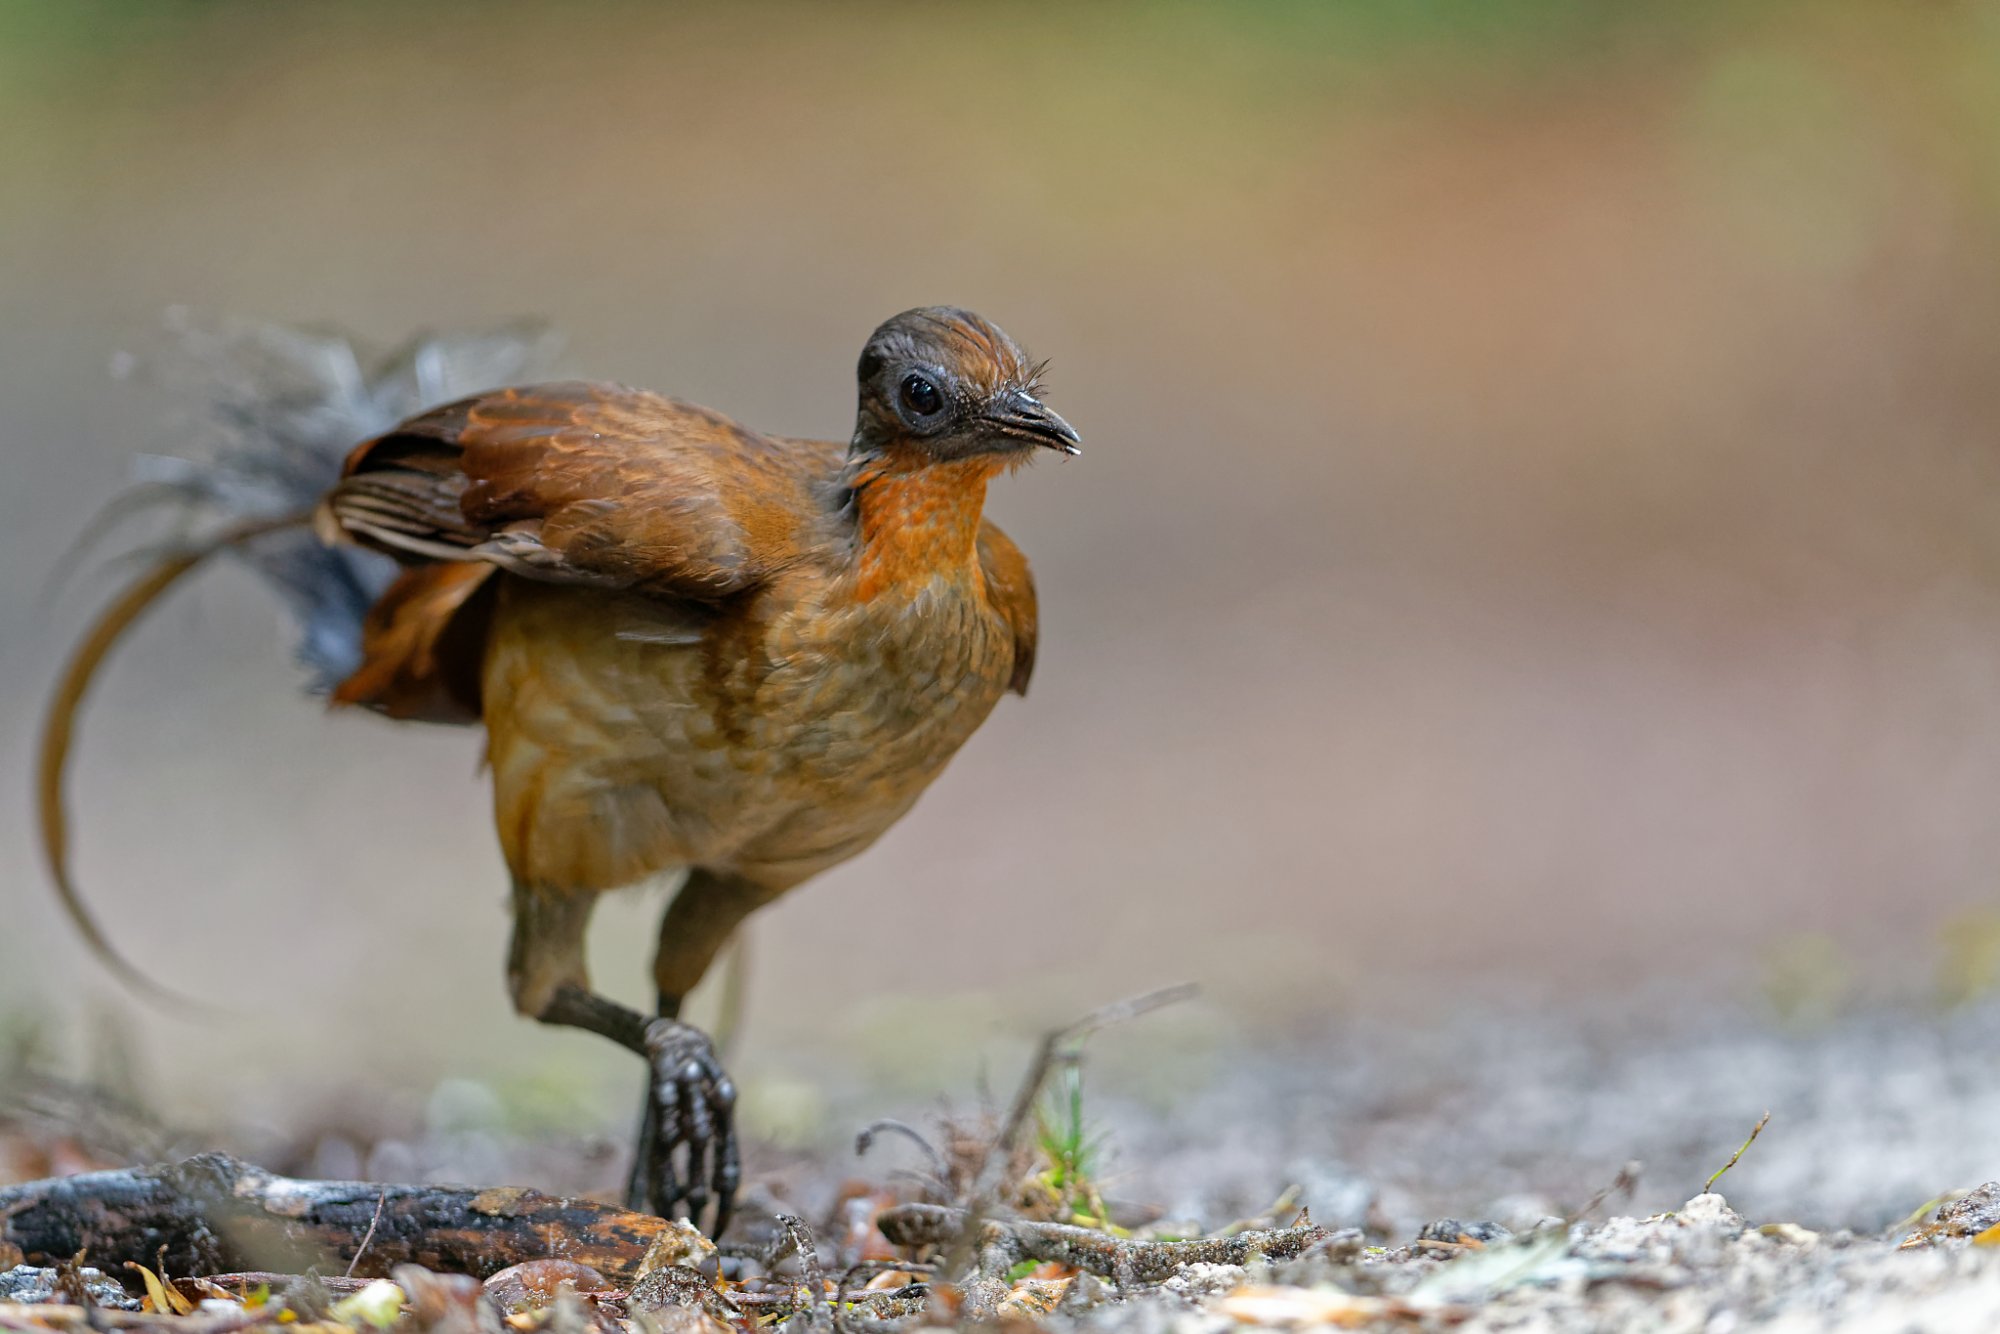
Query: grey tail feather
283	407
287	406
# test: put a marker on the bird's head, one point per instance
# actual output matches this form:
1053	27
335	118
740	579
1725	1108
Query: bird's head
947	384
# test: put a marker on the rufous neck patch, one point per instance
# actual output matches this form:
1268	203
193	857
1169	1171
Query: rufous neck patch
918	521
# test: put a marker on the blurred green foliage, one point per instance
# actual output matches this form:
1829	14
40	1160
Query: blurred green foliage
1790	113
1808	980
1970	967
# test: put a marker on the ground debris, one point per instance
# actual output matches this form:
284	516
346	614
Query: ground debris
1970	1219
1684	1269
1007	1243
1464	1234
534	1284
215	1246
33	1285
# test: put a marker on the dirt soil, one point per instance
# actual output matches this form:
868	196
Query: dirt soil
1494	1170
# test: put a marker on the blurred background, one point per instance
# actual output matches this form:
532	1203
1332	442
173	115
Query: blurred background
1538	537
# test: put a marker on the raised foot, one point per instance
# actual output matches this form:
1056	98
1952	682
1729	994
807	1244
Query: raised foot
686	1159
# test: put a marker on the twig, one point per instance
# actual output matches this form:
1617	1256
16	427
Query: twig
1004	1244
935	1190
381	1202
1045	1057
276	1282
812	1275
1755	1131
1626	1181
1030	1089
885	1267
865	1140
899	1301
840	1293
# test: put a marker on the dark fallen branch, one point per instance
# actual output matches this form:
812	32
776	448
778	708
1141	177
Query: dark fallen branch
214	1214
1003	1244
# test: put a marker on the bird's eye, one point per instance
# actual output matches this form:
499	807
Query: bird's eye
920	395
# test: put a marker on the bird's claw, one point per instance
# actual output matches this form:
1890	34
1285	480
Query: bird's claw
687	1141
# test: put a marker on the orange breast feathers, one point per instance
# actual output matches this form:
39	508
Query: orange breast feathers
918	524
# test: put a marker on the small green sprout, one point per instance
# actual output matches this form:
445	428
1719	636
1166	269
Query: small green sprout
1071	1152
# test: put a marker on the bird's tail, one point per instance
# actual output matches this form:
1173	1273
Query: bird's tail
285	406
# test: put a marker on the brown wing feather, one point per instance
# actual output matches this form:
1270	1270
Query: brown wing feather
587	483
422	646
1011	590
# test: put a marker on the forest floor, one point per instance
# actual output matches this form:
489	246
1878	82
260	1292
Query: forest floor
1497	1170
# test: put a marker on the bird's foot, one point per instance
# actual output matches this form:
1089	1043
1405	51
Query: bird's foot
686	1157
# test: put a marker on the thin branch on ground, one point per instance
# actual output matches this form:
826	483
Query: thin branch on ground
1004	1243
381	1200
1625	1183
1003	1144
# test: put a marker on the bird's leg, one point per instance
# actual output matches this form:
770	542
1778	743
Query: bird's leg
687	1093
696	925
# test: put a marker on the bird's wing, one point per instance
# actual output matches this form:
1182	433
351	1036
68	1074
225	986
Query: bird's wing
590	484
1011	590
422	645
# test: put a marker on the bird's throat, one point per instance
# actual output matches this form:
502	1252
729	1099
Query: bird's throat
917	523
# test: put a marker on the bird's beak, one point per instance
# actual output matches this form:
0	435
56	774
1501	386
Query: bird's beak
1018	413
